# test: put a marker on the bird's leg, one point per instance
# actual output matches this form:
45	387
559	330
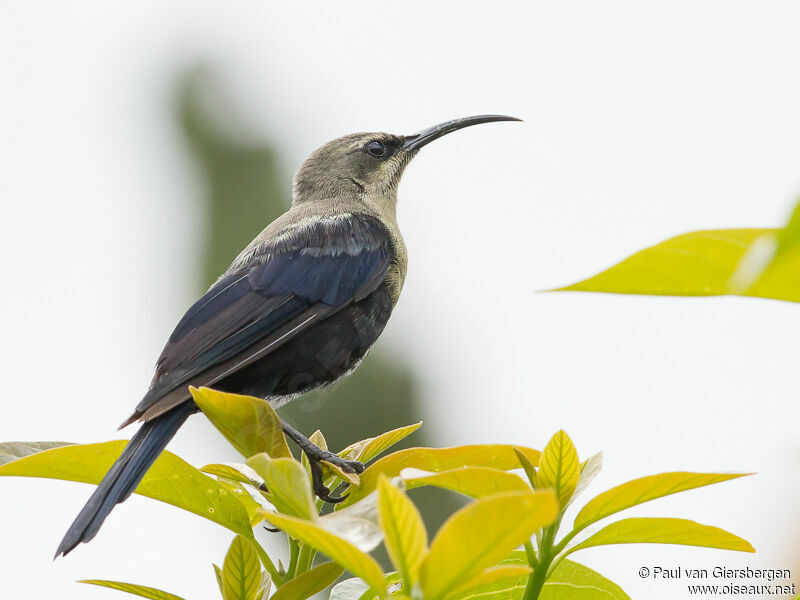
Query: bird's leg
316	454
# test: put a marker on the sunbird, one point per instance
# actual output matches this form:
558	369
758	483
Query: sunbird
297	309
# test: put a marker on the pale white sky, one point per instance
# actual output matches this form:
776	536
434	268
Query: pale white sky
643	120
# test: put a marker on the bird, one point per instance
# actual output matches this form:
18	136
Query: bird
296	310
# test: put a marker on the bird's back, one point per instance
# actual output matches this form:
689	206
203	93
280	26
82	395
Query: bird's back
298	309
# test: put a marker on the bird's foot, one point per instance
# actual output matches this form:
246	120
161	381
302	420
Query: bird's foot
316	456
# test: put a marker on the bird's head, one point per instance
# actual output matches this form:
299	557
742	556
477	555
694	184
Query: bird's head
369	164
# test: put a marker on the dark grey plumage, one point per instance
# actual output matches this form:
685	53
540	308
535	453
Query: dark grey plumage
296	310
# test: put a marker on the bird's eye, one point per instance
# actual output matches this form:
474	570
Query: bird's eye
376	148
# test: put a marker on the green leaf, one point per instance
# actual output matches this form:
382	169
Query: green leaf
358	523
497	456
218	575
568	581
248	498
506	589
264	586
169	480
589	470
320	442
643	490
573	581
234	472
241	571
559	467
288	484
527	466
309	583
249	424
328	468
480	535
366	450
504	576
10	451
768	252
474	482
789	236
664	531
132	588
356	589
700	263
404	532
334	547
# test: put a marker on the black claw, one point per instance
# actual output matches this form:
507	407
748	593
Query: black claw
271	530
315	455
320	489
332	499
348	466
357	467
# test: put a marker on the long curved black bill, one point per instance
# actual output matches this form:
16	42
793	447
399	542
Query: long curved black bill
426	136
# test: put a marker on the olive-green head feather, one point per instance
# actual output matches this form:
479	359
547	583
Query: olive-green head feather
369	164
354	165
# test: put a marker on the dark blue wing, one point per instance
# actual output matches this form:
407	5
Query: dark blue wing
289	285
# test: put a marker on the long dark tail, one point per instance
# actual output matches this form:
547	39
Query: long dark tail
125	474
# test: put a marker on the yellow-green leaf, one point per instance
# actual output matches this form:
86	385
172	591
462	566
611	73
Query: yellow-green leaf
643	490
247	498
288	484
356	589
527	466
352	589
480	535
403	530
474	482
15	450
573	581
132	588
366	450
589	470
235	472
250	424
169	480
351	558
789	236
241	571
264	586
331	469
309	583
507	576
218	575
700	263
664	531
568	581
358	523
497	456
767	254
559	467
320	442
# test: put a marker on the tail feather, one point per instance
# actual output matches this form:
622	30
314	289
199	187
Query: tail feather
123	477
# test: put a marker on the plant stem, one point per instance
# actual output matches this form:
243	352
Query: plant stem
277	578
531	554
305	559
539	563
294	550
